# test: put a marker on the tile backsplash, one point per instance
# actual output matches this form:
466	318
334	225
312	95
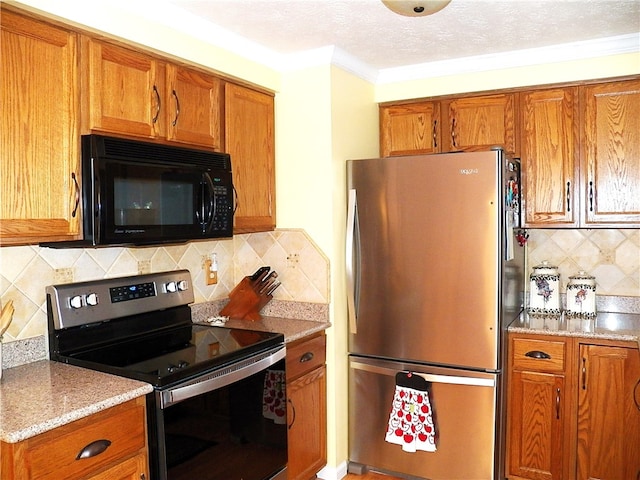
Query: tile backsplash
612	256
25	271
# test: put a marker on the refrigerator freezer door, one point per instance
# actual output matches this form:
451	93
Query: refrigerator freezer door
424	258
463	406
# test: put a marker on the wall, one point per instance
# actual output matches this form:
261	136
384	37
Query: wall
25	271
612	256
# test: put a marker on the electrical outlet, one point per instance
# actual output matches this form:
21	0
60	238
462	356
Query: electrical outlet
210	271
292	260
63	275
144	266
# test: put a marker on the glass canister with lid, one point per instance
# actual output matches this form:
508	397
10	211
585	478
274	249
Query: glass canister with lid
544	295
581	295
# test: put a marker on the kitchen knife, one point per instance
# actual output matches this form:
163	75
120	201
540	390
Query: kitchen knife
259	273
267	282
273	288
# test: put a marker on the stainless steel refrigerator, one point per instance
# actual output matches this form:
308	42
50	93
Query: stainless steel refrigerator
435	276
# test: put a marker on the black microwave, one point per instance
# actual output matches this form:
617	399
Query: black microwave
143	193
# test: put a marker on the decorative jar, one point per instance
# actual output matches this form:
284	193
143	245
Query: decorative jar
581	295
544	295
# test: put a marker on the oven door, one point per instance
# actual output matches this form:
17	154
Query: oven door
228	424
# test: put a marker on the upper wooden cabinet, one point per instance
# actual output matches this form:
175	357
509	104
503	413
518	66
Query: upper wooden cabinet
195	106
39	143
132	93
611	156
249	139
549	154
411	129
480	123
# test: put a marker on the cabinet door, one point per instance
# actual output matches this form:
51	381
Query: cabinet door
536	425
39	142
121	94
411	129
608	413
193	107
307	424
479	123
612	154
549	139
249	138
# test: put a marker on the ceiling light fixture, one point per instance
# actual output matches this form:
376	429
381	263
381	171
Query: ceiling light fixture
415	8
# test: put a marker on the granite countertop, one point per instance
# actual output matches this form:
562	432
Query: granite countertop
294	320
40	396
606	326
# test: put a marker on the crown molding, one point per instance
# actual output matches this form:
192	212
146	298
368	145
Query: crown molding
520	58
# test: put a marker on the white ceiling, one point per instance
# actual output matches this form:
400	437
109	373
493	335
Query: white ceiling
372	37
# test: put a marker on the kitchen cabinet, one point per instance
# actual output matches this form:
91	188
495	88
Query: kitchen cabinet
132	93
549	155
307	411
480	123
574	408
249	139
608	412
55	454
538	408
410	129
611	155
39	170
468	123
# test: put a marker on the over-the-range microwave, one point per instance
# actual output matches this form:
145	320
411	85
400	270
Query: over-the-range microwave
142	193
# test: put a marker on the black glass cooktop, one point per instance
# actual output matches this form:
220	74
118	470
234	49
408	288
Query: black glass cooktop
174	354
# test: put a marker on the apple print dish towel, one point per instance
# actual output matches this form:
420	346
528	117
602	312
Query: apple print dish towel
411	421
273	398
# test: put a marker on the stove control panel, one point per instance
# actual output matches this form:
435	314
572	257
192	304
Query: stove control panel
132	292
77	304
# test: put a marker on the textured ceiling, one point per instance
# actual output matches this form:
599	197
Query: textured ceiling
369	32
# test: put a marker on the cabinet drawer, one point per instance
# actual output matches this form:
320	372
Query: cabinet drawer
305	355
53	455
538	355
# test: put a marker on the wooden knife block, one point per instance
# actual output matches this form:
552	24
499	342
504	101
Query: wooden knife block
244	302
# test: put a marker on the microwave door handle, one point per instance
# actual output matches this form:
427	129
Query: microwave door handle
208	204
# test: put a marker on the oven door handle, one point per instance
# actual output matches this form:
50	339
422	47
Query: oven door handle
221	378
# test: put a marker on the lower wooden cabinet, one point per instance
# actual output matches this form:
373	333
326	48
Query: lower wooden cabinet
574	409
608	412
307	415
107	445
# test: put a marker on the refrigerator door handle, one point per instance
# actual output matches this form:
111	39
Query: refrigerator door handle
352	256
433	378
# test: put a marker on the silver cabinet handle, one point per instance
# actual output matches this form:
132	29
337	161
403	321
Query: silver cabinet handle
435	136
568	196
538	355
307	357
591	196
93	449
453	132
77	199
584	373
159	104
175	120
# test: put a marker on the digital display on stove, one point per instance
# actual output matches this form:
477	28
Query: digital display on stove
132	292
